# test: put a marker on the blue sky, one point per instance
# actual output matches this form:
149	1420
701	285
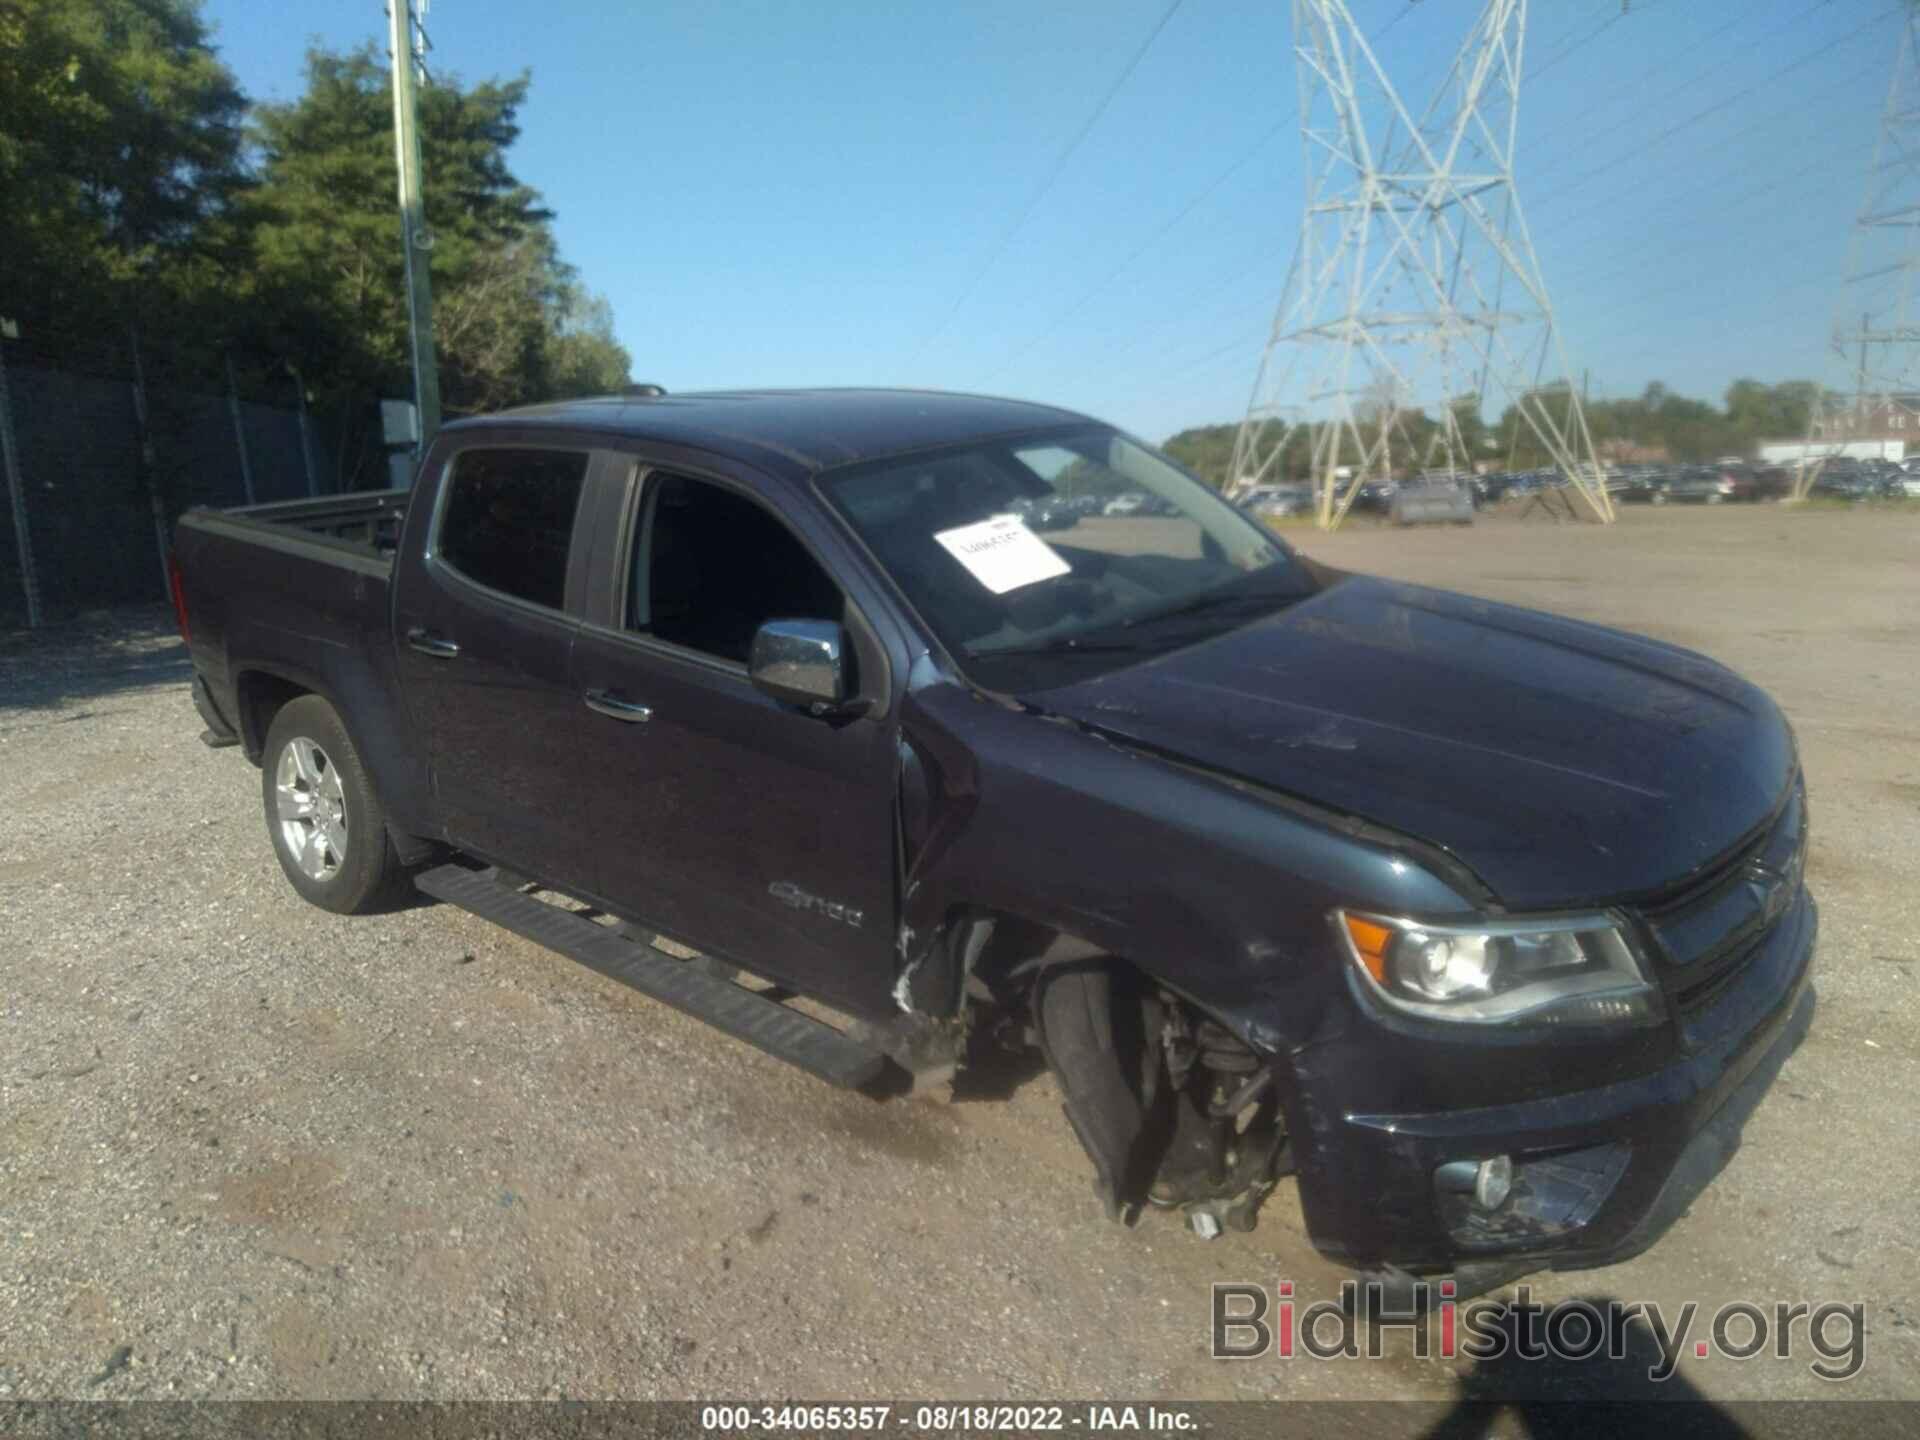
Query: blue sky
827	192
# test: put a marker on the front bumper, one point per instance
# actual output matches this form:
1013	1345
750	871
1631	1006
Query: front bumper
1369	1189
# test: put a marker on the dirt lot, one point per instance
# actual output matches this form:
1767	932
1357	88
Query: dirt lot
251	1149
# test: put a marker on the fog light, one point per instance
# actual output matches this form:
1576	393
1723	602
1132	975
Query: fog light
1492	1182
1506	1203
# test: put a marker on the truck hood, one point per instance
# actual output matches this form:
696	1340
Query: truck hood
1562	762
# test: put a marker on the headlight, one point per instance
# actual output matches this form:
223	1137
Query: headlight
1559	970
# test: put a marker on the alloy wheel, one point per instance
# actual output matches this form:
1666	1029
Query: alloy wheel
312	808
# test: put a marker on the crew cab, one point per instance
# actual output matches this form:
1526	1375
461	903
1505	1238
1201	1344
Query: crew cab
1485	926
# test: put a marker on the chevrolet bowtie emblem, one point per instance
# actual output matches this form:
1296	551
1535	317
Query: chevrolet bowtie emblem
1769	887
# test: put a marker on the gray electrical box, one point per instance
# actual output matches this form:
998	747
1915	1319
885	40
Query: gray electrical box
400	422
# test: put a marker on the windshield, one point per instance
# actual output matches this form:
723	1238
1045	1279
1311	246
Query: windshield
1039	560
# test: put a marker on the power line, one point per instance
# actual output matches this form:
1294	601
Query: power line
1047	183
1808	283
1564	51
1639	90
1694	192
1693	197
1692	284
1242	342
1720	105
1141	249
1260	261
1381	33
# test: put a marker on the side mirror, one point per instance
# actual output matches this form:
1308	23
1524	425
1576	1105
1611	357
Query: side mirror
801	662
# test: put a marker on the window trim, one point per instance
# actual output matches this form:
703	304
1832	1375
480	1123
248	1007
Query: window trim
444	569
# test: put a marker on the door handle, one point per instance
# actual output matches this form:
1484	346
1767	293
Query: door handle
604	703
427	643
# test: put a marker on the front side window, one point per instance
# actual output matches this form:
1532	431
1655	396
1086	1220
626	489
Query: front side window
1038	561
508	522
711	567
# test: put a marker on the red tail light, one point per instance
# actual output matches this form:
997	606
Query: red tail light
178	585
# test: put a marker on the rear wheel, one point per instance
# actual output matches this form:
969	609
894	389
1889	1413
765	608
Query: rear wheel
328	828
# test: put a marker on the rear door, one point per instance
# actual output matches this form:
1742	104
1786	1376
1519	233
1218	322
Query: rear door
740	825
485	636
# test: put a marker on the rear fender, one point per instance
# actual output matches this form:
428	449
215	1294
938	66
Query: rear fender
379	730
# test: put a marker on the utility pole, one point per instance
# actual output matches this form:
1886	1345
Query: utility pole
415	239
149	458
239	431
1413	265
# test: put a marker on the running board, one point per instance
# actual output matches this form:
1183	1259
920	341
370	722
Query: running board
791	1036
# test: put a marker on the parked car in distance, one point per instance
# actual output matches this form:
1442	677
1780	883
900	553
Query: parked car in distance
1280	501
1703	485
1486	925
1375	497
1132	503
1642	485
1049	512
1853	483
1432	500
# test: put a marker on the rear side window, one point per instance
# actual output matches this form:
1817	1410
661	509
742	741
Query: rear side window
508	520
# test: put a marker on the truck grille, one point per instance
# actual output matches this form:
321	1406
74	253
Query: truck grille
1708	932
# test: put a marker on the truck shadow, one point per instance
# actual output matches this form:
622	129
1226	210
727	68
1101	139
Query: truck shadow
1605	1395
93	657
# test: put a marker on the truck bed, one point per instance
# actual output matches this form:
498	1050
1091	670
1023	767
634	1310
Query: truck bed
296	592
364	525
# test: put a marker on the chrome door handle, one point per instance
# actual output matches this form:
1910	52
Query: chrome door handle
427	643
605	704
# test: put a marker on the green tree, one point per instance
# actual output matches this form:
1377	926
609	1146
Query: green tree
1757	411
120	161
511	322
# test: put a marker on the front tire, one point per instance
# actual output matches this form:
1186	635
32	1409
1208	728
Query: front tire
328	828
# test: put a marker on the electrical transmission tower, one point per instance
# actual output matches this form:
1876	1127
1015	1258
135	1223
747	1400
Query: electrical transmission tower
1414	296
1875	335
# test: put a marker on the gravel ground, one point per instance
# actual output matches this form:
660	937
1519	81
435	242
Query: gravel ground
250	1149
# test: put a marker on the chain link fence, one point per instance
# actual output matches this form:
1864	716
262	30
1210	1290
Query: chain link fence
104	445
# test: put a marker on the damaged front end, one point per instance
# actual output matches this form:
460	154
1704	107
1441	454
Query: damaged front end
1173	1108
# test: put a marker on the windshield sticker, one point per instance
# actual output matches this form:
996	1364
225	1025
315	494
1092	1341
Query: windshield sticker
1002	554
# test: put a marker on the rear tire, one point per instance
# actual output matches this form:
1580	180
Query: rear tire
328	828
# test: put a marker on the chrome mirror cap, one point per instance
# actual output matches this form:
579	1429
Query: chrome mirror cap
800	662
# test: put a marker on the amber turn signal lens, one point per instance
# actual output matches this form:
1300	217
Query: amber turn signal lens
1370	942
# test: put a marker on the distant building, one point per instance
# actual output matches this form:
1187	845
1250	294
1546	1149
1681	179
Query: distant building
1878	427
1880	417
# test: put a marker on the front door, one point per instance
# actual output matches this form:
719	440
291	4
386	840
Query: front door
740	825
485	644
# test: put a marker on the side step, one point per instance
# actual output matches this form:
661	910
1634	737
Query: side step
796	1038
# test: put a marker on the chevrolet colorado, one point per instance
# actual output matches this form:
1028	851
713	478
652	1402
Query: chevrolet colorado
1485	925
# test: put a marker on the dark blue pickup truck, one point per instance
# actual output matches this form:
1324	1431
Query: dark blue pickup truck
1485	926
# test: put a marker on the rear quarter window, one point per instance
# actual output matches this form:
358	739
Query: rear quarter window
508	520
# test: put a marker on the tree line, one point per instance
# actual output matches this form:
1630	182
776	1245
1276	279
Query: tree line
147	204
1655	421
